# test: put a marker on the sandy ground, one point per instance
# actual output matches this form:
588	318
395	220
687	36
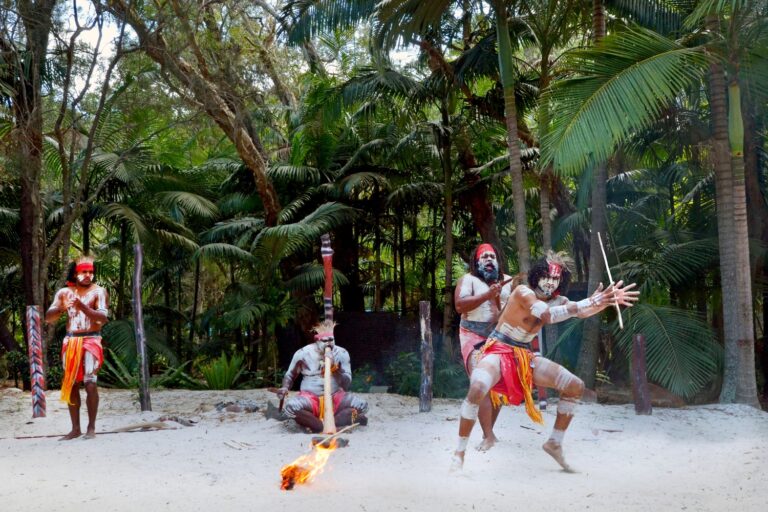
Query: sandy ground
708	458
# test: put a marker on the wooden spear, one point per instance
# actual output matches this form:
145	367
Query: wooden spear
610	278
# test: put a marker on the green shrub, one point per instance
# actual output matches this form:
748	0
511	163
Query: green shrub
223	373
363	378
53	377
449	379
117	373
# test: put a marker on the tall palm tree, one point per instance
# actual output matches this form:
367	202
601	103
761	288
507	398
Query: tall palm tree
638	72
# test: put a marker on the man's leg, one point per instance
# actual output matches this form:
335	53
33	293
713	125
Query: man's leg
351	410
74	413
487	414
484	377
552	375
300	409
92	393
92	404
308	420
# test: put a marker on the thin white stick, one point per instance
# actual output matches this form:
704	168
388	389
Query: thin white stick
610	278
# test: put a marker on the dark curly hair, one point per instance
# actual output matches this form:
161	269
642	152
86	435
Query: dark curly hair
473	261
540	270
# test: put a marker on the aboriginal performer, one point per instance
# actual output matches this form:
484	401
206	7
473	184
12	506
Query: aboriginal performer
86	306
309	362
507	364
479	297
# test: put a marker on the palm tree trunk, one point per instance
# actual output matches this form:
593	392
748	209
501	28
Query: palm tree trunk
433	261
28	114
121	281
513	143
445	147
195	299
590	343
401	258
377	244
743	350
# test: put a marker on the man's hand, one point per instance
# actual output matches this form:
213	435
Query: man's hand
281	393
494	290
622	295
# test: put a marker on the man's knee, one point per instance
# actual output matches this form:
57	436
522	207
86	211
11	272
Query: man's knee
476	392
575	388
90	386
568	384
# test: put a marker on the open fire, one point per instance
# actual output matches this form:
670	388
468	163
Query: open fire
306	467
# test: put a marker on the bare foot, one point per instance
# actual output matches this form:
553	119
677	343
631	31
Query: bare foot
71	435
555	450
90	434
457	462
487	443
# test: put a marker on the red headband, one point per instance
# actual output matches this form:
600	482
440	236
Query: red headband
484	248
321	335
555	270
82	267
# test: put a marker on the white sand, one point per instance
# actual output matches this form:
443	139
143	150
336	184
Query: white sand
710	458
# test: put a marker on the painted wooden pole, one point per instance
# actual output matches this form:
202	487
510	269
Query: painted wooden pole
427	358
326	251
640	392
36	369
138	321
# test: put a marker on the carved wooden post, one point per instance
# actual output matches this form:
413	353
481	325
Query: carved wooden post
36	370
138	321
427	357
640	391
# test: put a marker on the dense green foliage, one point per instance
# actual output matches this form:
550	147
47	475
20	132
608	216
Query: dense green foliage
263	125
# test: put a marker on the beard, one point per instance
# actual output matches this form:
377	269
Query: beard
489	272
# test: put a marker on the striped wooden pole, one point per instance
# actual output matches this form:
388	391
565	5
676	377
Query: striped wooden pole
327	253
36	370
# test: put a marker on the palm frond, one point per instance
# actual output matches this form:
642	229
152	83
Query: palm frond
399	21
682	353
662	16
123	213
308	18
706	7
624	83
232	228
311	277
217	251
193	204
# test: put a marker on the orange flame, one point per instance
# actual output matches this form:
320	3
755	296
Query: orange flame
306	467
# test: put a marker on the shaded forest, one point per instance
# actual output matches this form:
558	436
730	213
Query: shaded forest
226	137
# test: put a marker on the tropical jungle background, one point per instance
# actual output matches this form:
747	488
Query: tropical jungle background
226	136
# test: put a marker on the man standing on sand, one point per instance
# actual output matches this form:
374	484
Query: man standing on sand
507	364
479	298
86	305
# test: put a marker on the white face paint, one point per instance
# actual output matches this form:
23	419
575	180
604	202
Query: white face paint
548	285
324	342
85	277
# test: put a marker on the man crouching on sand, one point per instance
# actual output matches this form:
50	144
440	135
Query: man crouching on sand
86	305
509	367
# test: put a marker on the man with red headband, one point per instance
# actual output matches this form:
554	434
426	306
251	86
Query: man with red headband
508	365
309	362
86	305
479	297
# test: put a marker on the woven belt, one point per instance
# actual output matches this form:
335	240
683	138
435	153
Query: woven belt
83	334
509	341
